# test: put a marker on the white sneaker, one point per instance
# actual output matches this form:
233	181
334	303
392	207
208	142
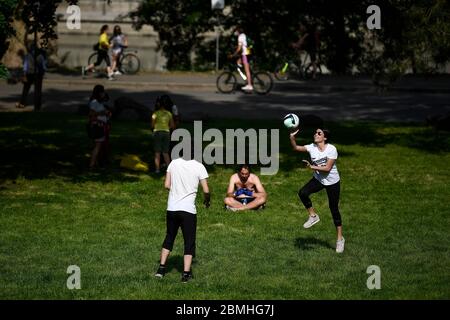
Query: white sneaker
312	220
340	245
111	78
117	73
231	208
247	88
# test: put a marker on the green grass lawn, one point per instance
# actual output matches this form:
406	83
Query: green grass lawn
395	204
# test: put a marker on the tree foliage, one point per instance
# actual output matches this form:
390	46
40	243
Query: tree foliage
417	33
414	34
7	8
39	16
180	25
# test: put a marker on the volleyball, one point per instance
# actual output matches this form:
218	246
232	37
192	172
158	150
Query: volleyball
291	121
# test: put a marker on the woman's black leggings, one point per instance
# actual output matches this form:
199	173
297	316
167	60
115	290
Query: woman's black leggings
333	192
102	55
188	224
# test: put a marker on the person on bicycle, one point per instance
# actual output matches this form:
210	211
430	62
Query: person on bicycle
118	41
243	52
310	42
102	53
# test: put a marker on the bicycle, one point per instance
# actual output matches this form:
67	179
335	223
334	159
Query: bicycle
227	82
129	62
295	67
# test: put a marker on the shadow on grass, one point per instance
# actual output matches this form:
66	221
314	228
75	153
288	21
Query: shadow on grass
311	243
367	135
174	262
37	146
378	134
41	145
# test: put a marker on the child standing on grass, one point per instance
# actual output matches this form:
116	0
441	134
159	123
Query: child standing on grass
326	176
162	123
99	126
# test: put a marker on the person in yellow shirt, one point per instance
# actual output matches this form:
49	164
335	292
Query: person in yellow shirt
102	54
162	122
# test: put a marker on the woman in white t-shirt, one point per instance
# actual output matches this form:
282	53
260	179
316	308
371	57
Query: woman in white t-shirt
118	41
326	176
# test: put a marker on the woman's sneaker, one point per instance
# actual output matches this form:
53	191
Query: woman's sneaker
340	245
186	276
312	220
161	272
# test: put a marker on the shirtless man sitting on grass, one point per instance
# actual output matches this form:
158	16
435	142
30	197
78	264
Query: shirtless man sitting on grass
245	191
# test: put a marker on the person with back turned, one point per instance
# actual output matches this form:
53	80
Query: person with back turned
182	179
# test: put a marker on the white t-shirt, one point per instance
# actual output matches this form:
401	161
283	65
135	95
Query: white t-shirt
185	176
98	107
242	40
118	41
320	159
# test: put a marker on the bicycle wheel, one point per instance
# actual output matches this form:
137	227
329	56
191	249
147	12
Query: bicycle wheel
226	82
262	82
309	70
282	72
130	64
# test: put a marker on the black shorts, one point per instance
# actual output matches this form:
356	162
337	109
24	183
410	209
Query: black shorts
102	55
188	223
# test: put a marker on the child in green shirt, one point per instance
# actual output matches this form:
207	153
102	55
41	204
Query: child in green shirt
162	122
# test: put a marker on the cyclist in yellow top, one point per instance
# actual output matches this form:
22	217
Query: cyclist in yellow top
162	122
102	53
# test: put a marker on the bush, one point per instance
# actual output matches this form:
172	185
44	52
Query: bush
4	73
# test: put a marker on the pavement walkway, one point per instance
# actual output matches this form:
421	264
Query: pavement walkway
336	98
438	83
